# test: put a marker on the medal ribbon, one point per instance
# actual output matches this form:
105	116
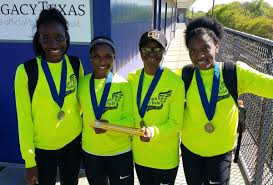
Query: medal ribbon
209	107
58	98
98	109
142	108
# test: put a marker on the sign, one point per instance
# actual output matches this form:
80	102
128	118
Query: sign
18	18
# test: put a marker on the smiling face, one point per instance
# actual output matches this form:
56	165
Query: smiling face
53	41
202	51
102	59
153	58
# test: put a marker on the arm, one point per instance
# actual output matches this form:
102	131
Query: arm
81	70
252	81
24	115
81	75
127	107
174	122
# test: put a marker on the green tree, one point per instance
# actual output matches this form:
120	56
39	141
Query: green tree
254	17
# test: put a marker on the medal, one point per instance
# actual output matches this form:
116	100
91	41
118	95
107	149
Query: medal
142	107
57	97
142	123
61	115
209	106
209	128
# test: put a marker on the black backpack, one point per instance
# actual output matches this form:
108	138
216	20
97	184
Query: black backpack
230	80
31	68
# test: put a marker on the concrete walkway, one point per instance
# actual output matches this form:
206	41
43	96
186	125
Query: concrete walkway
176	57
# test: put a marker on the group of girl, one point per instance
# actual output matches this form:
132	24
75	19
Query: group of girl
54	121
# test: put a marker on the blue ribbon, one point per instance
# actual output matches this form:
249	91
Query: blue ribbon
209	107
58	98
98	109
142	108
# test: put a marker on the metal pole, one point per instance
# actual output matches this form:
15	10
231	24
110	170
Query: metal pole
212	13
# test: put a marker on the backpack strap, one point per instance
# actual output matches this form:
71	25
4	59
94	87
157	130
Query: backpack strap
187	74
230	79
31	68
75	63
229	75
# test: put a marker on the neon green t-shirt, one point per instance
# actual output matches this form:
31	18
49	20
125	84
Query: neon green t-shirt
118	110
38	125
225	120
165	114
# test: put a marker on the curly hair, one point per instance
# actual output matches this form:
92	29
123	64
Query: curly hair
204	25
46	16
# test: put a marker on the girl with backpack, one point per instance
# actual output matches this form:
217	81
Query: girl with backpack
49	120
209	130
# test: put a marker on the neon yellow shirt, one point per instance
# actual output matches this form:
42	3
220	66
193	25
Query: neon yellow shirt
165	114
223	139
118	110
38	124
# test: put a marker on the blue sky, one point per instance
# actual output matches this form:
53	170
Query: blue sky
205	5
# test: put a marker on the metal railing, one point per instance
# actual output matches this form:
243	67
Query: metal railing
256	153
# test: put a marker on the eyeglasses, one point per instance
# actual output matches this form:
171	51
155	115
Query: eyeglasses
150	50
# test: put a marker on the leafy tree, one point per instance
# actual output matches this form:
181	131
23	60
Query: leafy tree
254	17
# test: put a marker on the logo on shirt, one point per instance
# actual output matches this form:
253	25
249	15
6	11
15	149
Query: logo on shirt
71	84
157	103
112	103
223	91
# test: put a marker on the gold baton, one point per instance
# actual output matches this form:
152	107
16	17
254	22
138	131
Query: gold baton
117	128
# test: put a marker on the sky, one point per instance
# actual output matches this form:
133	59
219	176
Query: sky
205	5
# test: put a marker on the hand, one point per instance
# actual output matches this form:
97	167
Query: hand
31	175
100	130
147	134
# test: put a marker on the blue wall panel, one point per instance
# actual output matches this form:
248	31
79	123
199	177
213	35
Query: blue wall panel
130	19
101	18
165	25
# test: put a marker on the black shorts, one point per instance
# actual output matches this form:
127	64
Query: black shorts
118	169
68	160
152	176
206	170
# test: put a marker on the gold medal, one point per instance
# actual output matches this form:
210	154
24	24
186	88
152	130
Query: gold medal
209	128
61	115
142	123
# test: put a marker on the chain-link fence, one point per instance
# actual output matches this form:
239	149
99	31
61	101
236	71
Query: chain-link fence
256	153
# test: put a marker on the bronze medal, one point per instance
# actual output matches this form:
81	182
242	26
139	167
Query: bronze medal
209	128
142	123
61	115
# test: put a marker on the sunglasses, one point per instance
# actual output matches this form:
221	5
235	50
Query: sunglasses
152	50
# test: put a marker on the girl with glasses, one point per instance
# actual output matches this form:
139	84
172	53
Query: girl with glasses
157	111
